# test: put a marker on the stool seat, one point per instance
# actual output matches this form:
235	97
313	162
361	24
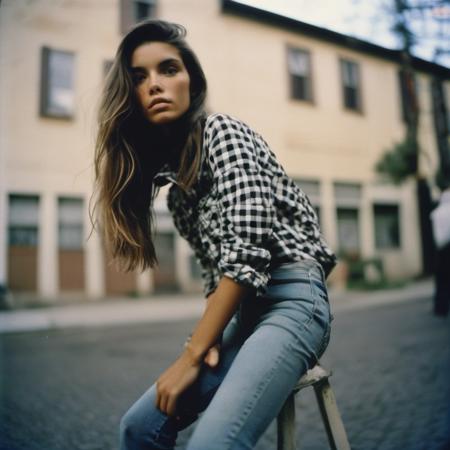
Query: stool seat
312	376
317	377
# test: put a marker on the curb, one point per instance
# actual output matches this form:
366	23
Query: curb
168	309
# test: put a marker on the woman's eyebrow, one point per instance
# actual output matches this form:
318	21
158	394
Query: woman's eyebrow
164	62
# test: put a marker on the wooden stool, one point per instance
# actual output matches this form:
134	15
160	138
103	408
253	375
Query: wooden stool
318	378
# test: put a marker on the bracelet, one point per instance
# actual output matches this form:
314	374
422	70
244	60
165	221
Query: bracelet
188	339
197	359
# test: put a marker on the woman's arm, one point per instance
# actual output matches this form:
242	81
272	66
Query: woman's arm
221	306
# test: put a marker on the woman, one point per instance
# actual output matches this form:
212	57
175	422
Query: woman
255	234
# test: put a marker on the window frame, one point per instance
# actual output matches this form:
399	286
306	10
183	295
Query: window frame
398	244
45	88
290	75
64	224
359	107
30	226
128	13
315	198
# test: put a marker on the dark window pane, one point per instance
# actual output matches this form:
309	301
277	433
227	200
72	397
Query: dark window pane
350	84
300	88
132	11
348	231
299	67
351	98
57	94
143	10
23	236
387	226
23	220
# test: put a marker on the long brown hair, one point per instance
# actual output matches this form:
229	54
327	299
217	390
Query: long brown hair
129	151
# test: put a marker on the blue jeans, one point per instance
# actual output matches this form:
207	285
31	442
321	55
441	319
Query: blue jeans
269	343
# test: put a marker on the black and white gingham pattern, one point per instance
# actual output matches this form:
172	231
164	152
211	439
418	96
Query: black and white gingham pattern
244	214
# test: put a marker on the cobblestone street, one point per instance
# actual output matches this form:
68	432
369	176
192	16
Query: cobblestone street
67	389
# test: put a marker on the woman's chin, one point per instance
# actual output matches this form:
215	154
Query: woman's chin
163	118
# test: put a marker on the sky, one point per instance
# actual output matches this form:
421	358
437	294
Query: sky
365	19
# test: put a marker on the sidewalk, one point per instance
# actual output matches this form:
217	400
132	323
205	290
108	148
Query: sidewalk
177	307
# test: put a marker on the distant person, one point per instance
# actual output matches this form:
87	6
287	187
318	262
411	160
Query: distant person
440	218
254	232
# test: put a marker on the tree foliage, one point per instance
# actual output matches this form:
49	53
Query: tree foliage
399	162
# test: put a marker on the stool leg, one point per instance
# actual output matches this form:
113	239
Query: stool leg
331	417
286	425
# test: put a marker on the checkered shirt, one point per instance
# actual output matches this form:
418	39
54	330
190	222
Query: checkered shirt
244	214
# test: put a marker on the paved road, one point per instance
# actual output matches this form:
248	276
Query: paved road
67	389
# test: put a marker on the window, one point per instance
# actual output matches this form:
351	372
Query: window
57	81
70	223
351	85
132	11
23	220
299	67
387	226
347	194
348	231
312	189
144	9
348	202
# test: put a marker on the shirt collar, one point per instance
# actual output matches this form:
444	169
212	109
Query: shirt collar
165	175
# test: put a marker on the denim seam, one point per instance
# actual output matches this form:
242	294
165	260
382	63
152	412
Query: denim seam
313	296
324	343
234	432
158	430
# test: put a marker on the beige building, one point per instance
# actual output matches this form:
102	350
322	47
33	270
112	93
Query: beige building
327	104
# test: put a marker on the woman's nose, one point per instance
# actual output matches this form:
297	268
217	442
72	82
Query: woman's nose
154	84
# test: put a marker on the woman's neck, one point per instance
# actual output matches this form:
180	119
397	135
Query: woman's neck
173	138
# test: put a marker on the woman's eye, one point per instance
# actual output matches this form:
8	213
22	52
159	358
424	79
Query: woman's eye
171	70
138	78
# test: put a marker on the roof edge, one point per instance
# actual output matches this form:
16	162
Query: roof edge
324	34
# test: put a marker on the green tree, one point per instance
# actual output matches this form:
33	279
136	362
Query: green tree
402	160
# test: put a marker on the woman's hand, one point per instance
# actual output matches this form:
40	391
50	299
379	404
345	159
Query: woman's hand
175	380
179	377
212	357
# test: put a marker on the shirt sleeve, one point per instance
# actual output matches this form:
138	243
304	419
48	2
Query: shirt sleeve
244	198
208	280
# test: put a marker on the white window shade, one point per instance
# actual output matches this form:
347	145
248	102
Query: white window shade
70	223
298	62
23	211
347	194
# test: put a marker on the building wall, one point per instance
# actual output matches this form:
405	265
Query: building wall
246	66
49	157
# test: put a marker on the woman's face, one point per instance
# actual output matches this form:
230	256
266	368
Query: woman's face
161	82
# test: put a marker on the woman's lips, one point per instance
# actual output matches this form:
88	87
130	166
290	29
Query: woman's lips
159	103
